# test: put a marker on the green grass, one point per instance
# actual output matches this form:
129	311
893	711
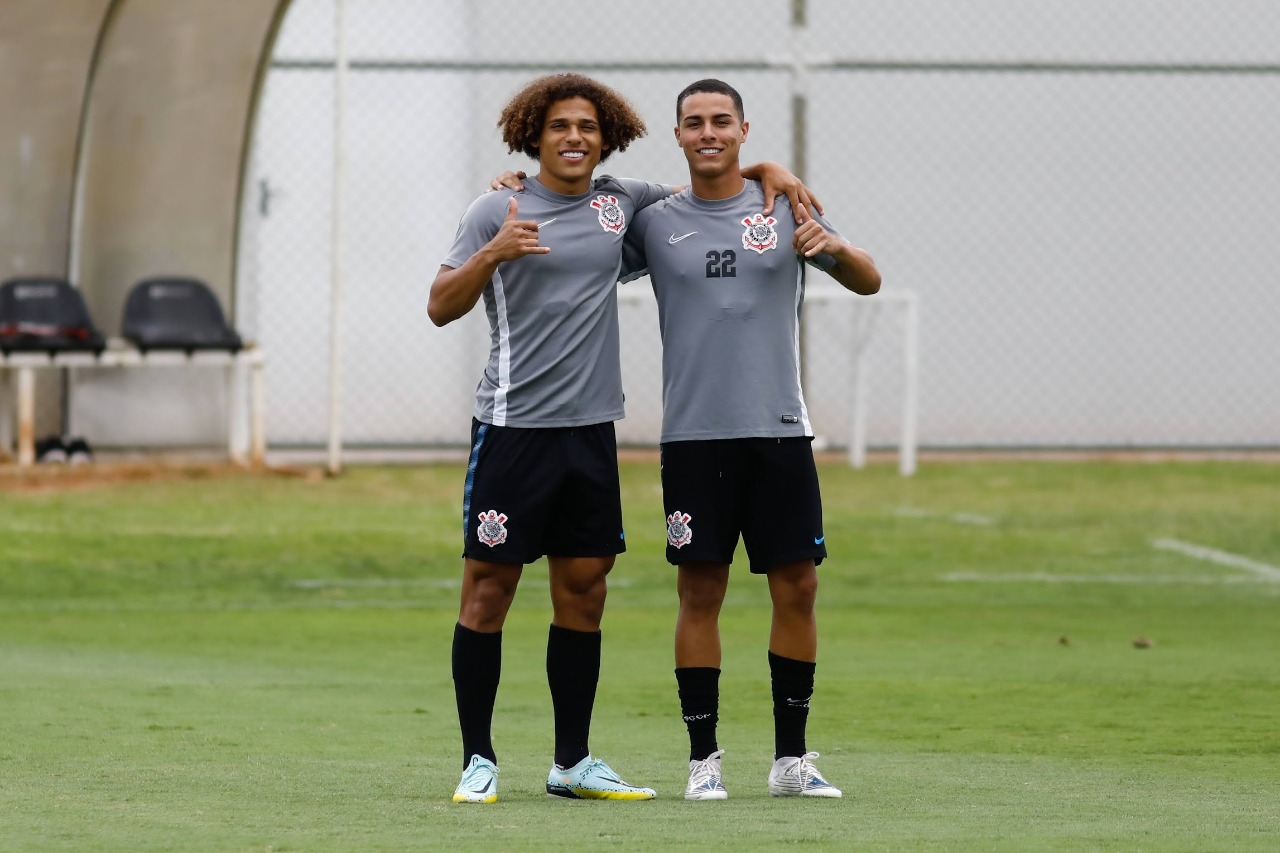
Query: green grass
262	663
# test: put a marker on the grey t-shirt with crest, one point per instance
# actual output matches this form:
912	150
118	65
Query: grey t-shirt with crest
729	288
553	318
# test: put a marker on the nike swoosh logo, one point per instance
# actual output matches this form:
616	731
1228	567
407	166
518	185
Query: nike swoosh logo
673	239
818	540
548	222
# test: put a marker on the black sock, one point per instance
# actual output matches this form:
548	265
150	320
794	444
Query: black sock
573	671
477	667
700	706
792	689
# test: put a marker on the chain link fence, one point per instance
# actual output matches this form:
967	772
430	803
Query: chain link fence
1080	195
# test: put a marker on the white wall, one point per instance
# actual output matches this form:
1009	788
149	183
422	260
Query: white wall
1094	250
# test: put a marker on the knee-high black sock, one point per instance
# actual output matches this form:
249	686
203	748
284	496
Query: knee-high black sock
477	667
573	671
792	689
700	705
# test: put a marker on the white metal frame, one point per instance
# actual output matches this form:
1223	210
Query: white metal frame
869	309
244	370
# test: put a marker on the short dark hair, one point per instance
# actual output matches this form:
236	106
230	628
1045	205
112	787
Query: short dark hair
525	114
714	87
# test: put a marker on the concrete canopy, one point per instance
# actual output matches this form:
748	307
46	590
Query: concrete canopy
46	60
125	127
165	139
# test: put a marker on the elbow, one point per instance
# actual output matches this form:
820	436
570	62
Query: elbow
863	279
437	314
857	272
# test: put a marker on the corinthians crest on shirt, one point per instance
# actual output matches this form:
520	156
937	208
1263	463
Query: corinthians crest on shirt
492	531
611	216
760	235
679	533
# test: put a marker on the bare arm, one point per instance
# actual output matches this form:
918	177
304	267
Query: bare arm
854	269
456	290
778	180
775	177
510	180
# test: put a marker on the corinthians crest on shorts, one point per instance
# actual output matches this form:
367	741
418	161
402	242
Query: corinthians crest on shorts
611	216
759	236
679	533
491	530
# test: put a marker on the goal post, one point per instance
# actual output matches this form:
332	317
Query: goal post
851	343
867	317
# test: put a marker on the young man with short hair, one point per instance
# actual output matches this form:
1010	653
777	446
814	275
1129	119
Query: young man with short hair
542	478
736	440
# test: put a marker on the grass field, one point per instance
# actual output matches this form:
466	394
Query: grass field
257	662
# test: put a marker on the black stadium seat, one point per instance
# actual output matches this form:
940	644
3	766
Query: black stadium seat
45	314
177	314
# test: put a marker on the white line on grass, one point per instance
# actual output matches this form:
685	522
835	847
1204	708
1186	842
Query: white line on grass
329	583
1259	572
438	583
1221	558
1136	580
958	517
973	518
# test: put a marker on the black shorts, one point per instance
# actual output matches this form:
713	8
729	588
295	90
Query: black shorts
533	492
765	489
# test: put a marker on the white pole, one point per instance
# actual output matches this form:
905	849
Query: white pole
257	403
911	381
236	383
26	417
336	288
862	327
6	416
858	430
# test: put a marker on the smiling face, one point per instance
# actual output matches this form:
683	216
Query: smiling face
569	146
711	133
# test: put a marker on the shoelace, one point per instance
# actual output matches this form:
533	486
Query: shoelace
805	769
705	770
473	774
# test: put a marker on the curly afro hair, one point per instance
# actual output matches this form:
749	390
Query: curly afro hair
523	116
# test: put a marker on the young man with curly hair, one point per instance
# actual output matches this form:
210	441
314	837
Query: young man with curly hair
542	478
736	441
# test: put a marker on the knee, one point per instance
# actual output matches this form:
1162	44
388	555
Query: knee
701	597
588	598
798	591
584	586
581	608
485	605
579	592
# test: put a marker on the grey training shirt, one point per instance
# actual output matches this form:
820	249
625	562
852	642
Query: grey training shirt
729	289
553	318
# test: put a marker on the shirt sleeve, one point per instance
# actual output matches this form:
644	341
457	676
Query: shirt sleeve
634	262
823	261
477	227
643	192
